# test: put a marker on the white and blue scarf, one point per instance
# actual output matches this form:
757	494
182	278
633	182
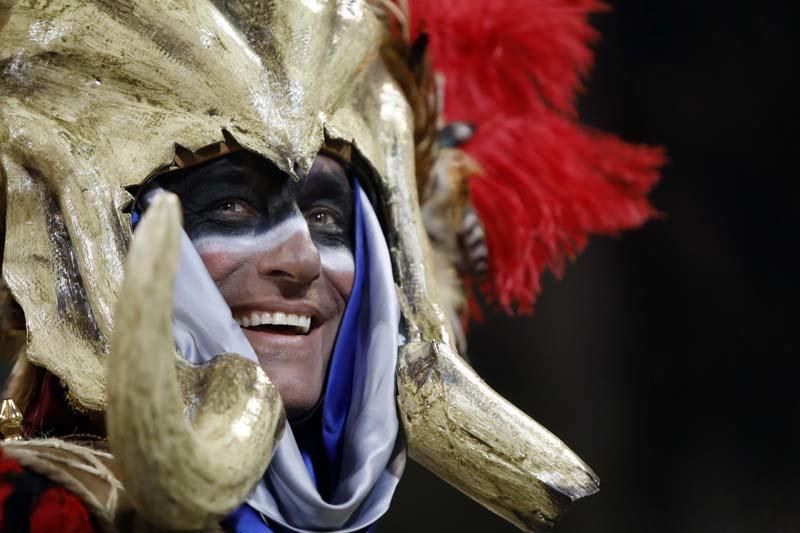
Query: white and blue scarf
339	469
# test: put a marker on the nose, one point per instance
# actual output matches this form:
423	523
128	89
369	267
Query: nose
295	260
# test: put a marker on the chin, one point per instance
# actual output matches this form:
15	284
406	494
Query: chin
296	364
300	407
299	393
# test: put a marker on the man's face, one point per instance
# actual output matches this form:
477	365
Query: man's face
281	254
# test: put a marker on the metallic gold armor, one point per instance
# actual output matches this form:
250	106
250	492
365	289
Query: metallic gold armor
94	94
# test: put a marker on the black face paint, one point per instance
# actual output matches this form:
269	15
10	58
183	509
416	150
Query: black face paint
243	194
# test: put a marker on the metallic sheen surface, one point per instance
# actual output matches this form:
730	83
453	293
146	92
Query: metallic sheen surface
10	420
93	94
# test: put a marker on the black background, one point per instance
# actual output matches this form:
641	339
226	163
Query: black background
666	358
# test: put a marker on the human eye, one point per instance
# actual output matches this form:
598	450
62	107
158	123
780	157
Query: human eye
232	209
324	220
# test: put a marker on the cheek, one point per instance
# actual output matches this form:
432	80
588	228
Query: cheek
339	267
219	262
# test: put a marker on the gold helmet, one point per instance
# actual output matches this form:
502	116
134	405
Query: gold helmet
94	98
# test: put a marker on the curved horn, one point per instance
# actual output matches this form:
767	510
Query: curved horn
471	437
185	459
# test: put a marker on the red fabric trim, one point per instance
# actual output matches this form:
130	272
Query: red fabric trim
41	404
60	510
8	465
55	508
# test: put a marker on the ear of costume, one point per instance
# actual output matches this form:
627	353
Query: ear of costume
96	95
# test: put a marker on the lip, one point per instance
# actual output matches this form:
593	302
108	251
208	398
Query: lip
272	346
269	342
279	348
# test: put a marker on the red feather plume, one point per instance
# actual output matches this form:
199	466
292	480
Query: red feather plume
513	68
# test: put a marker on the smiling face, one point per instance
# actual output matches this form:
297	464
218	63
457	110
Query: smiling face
281	254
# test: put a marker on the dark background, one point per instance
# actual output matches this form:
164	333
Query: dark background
666	358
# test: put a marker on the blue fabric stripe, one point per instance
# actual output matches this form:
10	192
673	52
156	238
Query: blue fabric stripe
245	519
339	388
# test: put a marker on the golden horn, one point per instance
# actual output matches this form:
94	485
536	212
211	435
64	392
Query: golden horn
190	441
471	437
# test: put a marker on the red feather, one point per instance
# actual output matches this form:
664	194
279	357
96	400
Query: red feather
513	68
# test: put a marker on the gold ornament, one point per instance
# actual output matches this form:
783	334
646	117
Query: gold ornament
10	420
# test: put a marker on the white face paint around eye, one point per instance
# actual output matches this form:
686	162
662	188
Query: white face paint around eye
252	243
332	257
337	258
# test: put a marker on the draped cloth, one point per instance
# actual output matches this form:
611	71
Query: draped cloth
361	448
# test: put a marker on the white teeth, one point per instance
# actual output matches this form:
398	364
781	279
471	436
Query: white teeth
275	319
304	322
